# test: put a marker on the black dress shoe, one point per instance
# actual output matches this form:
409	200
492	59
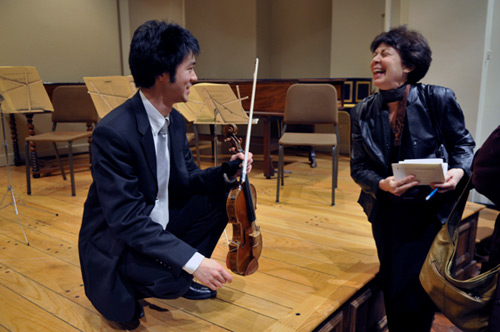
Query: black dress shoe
197	291
130	325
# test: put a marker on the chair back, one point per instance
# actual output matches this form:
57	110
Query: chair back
311	104
72	103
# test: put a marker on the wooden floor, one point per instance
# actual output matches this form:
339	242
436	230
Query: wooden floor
314	257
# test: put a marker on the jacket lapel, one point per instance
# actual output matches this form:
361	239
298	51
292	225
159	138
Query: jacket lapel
376	132
144	128
175	145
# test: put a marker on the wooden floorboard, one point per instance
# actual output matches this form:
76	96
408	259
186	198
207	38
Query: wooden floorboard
315	257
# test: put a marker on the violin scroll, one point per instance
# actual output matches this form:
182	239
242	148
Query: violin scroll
230	132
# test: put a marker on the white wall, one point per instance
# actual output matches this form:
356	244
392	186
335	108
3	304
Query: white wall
488	117
465	39
489	110
455	31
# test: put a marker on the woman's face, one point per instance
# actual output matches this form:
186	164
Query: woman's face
387	69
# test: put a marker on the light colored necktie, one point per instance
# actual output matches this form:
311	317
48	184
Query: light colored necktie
160	211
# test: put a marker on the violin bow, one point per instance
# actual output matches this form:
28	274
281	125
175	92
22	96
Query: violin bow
250	117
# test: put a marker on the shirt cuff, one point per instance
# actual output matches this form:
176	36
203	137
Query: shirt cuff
228	180
193	263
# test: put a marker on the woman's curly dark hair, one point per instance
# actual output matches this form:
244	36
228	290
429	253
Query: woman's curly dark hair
412	47
158	47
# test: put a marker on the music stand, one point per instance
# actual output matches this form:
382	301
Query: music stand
109	92
21	91
213	104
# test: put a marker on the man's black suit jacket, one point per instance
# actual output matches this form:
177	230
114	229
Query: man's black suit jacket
121	197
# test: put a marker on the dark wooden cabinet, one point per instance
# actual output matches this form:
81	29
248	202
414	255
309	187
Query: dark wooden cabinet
364	312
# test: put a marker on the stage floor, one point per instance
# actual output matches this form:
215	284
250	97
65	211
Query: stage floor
314	258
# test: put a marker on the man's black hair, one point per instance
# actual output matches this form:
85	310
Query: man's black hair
157	48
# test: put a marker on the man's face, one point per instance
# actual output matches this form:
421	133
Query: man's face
185	77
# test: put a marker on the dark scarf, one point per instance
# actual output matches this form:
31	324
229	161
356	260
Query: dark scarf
390	96
397	121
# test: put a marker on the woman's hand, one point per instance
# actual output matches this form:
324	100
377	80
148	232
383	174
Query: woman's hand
452	178
397	188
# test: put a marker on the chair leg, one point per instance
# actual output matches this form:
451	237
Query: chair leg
71	168
90	151
280	173
28	165
337	156
334	172
282	163
59	161
197	144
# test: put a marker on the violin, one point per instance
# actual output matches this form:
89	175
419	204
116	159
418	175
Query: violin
246	245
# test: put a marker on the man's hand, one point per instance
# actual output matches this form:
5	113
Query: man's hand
241	156
452	178
397	188
212	274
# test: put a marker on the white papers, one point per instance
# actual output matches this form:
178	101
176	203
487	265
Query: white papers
427	171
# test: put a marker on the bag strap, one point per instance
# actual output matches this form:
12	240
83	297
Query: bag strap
441	151
437	129
455	217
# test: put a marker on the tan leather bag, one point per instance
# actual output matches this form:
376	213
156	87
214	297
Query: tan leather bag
466	303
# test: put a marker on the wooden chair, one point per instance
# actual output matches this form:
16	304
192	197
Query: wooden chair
310	104
72	104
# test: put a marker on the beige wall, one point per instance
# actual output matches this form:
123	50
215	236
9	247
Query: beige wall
290	37
64	40
226	31
141	11
354	25
69	39
301	35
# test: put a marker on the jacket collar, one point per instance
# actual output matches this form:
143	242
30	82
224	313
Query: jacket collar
144	128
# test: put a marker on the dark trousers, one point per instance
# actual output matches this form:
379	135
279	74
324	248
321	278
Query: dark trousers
200	223
403	234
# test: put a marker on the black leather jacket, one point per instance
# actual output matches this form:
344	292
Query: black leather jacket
432	112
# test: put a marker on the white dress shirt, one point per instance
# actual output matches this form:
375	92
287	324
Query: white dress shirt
160	212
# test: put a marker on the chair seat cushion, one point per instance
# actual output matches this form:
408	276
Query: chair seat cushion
314	139
59	136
